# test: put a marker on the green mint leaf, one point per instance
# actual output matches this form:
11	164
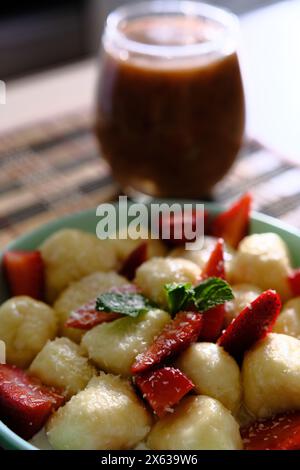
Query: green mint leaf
125	303
211	292
178	295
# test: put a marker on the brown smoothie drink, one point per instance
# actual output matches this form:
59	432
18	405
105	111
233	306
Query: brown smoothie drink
170	105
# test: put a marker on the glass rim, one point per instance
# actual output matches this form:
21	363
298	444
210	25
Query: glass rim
226	19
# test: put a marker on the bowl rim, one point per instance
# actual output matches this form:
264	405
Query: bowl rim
8	438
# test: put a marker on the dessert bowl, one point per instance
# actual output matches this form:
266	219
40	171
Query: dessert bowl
87	221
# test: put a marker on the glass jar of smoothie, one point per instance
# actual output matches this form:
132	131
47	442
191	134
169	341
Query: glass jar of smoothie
170	103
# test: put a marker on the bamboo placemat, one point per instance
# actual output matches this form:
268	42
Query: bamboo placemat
54	168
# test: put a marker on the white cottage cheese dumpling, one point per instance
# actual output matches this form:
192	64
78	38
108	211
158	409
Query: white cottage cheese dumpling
244	294
114	346
263	260
198	423
214	373
107	415
200	257
71	254
25	326
271	376
152	275
79	293
60	364
288	321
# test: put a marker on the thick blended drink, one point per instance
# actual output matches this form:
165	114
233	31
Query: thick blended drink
170	105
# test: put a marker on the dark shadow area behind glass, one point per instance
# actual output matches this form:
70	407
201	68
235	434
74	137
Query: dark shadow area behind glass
35	35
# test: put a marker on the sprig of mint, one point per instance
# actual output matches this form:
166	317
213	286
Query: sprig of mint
178	296
131	304
206	295
212	292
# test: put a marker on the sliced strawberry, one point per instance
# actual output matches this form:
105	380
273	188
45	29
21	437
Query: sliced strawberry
25	404
215	266
174	223
163	388
294	282
252	324
86	316
25	273
281	432
233	224
175	336
134	260
213	319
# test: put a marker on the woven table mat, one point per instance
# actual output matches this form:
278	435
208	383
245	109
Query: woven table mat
54	168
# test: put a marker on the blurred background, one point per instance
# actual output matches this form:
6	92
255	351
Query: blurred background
49	64
58	35
35	35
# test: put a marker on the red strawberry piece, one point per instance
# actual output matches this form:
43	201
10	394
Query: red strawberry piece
137	257
213	318
163	388
173	225
281	432
294	282
233	224
86	316
25	273
175	336
215	266
25	404
252	324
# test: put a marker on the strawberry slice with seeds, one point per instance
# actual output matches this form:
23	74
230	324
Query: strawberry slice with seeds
233	224
87	317
215	266
163	388
173	225
294	282
25	404
281	432
252	324
25	273
137	257
213	319
177	335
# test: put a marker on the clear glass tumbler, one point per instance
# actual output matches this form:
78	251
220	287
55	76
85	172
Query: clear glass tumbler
170	103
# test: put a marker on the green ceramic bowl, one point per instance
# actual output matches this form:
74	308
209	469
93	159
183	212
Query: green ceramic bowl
87	221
